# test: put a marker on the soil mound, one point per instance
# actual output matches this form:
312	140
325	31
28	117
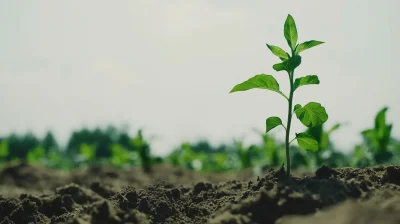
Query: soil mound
105	195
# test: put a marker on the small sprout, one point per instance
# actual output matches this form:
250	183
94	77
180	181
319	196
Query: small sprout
143	148
379	138
4	151
87	152
36	155
312	114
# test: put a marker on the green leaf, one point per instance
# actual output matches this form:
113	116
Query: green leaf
273	122
307	80
371	138
280	66
290	32
296	107
307	45
278	52
35	155
369	134
4	149
312	114
380	123
324	142
378	138
334	128
294	62
88	151
307	142
261	81
386	136
288	65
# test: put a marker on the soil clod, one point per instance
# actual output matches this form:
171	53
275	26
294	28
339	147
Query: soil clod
274	198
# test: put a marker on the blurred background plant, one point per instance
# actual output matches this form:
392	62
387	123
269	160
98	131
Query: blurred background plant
378	146
116	147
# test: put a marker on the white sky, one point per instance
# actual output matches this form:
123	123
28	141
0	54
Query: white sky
167	66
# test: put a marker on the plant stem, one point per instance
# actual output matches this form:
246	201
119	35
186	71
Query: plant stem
292	141
289	121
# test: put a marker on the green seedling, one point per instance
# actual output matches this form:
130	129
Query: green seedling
143	148
36	155
220	161
244	154
120	156
87	152
189	158
379	138
322	136
326	149
311	114
3	150
360	157
59	160
184	156
271	148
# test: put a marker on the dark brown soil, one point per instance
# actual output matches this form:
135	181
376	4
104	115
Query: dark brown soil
31	194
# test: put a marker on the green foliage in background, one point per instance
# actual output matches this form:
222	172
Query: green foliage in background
326	155
87	152
378	138
36	155
3	149
125	150
378	146
120	157
191	156
143	149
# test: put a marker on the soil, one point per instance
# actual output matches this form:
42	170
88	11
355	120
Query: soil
30	194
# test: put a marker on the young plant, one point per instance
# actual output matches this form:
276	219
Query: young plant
143	148
87	153
326	150
36	155
4	151
272	150
244	154
120	156
361	157
378	139
323	136
311	114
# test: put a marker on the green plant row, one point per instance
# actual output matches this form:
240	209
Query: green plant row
122	150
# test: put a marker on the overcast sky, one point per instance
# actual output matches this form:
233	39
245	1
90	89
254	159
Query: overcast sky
167	66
